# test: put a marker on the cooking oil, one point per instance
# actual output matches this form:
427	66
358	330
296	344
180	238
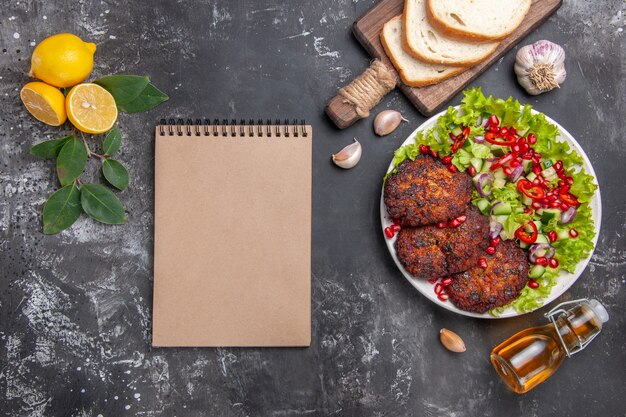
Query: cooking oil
531	356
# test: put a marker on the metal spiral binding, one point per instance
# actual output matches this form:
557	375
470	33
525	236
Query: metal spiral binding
180	127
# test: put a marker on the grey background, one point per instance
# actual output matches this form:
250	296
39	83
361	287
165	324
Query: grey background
75	308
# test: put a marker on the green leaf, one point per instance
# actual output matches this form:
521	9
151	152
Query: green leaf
115	173
61	210
71	160
112	141
149	98
123	88
101	204
50	148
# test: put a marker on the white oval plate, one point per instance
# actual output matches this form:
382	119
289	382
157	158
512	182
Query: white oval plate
564	281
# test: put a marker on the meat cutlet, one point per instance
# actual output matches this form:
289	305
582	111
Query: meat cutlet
479	290
424	192
433	252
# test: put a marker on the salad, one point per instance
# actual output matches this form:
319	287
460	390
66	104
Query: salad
531	186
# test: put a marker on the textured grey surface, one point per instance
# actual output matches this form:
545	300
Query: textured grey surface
75	307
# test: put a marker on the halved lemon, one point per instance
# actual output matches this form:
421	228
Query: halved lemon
91	108
45	102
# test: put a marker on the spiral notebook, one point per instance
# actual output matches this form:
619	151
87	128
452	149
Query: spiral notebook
232	234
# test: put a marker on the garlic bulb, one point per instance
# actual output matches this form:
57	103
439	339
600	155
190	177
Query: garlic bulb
540	67
349	156
387	121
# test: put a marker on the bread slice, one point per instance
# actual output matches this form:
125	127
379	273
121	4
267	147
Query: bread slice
413	72
477	19
426	43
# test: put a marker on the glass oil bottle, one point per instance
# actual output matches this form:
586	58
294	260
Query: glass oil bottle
531	356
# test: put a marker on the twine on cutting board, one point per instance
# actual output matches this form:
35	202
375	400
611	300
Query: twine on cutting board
369	88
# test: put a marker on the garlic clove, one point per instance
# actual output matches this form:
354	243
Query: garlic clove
387	121
349	156
540	67
451	341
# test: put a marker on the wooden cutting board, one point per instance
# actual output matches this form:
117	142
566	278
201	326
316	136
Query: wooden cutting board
428	99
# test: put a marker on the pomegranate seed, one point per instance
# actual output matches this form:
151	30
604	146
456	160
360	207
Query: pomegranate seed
562	175
494	129
564	207
528	210
490	250
433	280
552	236
516	148
433	153
446	159
504	131
552	198
424	149
532	139
495	241
533	284
389	232
536	181
438	288
553	263
458	221
536	205
536	169
526	156
555	204
512	131
523	148
493	120
452	169
542	260
507	170
573	233
565	188
471	170
396	228
446	281
558	166
514	163
443	296
569	180
482	262
521	141
441	225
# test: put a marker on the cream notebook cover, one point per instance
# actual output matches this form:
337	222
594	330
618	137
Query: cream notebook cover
232	235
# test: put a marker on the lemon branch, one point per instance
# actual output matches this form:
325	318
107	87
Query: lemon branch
90	153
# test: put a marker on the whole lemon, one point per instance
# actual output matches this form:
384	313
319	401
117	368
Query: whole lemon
62	60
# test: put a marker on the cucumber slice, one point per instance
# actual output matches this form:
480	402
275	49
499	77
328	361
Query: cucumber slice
499	173
500	218
498	150
549	214
477	163
523	245
531	177
536	271
486	166
499	183
527	201
562	235
538	224
502	209
483	205
542	239
549	174
456	130
527	165
546	164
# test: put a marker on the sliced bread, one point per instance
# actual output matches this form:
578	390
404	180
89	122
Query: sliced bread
477	19
413	72
426	43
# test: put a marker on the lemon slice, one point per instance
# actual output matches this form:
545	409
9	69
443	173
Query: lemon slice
45	102
91	108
